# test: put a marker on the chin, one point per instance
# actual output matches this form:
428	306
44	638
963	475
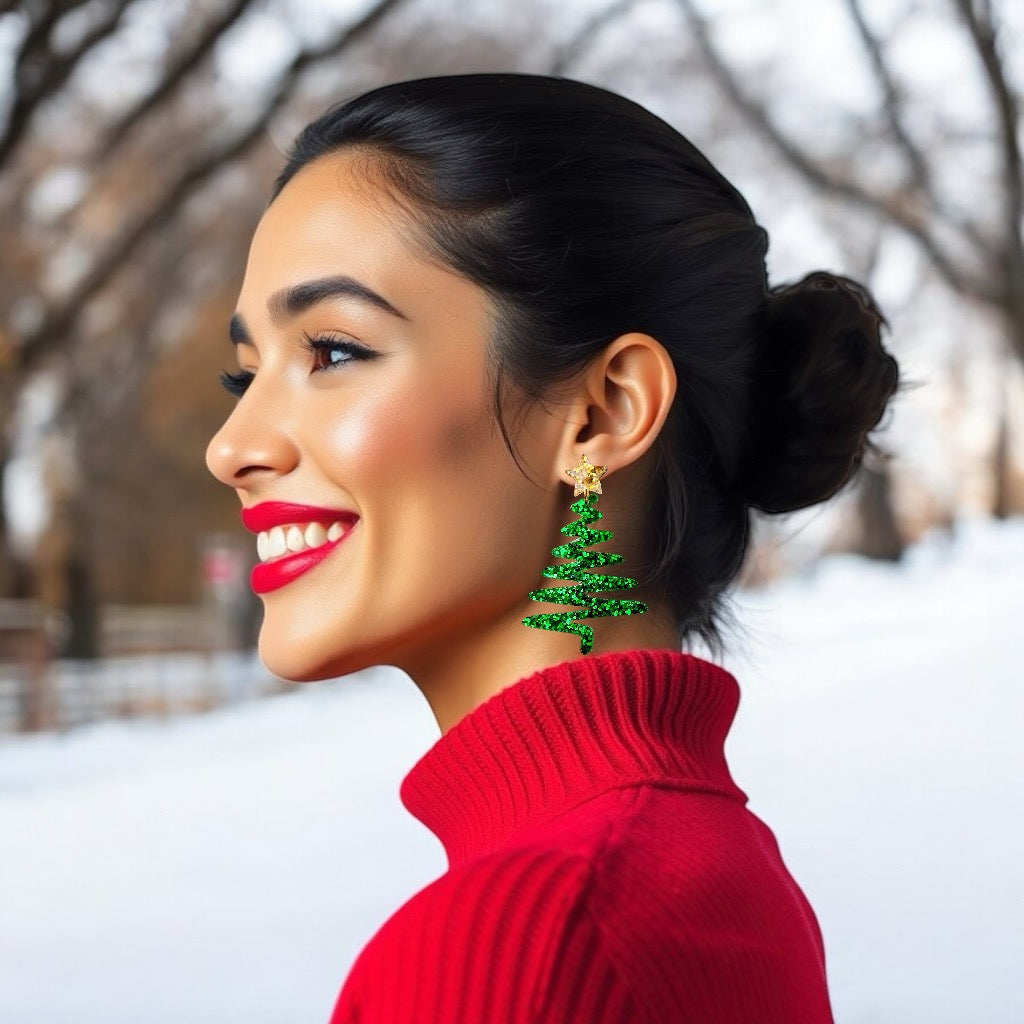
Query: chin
301	663
291	662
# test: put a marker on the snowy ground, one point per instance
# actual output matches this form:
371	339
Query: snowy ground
226	869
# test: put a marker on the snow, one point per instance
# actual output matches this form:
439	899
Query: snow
228	868
56	193
24	498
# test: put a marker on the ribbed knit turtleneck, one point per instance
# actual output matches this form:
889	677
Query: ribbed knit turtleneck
603	865
570	732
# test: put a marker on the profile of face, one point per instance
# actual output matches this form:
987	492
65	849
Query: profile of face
393	522
368	408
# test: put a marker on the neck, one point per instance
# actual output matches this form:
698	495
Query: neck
470	662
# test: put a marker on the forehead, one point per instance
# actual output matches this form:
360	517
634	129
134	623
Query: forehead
333	218
333	210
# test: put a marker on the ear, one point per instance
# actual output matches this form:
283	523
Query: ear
619	405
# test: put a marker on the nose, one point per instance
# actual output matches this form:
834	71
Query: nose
253	445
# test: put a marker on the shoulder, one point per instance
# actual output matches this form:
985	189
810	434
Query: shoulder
540	877
644	905
495	898
507	937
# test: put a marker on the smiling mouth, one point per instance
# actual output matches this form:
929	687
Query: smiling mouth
294	538
278	570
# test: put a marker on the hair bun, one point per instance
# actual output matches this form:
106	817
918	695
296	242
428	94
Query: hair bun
821	384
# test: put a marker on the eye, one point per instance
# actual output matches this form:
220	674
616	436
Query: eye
236	383
330	352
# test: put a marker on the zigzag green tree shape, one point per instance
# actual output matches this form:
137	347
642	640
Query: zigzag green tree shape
588	607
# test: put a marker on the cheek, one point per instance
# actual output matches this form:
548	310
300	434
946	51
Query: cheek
459	438
366	437
429	443
468	453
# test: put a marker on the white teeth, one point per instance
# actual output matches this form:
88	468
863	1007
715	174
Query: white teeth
297	537
315	535
278	545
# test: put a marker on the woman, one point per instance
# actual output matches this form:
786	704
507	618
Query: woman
441	258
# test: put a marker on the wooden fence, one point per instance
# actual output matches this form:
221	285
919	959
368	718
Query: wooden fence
156	661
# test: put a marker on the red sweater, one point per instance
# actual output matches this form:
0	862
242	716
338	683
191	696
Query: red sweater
603	866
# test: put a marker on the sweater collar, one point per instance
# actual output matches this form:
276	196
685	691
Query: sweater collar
568	733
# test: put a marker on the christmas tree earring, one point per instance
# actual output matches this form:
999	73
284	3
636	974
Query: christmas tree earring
587	479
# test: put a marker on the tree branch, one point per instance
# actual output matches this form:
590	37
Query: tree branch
921	176
40	71
893	207
581	39
57	325
29	65
178	69
981	27
892	104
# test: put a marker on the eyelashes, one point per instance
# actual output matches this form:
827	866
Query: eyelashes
326	350
236	383
325	347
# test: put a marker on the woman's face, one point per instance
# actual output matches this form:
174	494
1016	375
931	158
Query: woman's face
364	447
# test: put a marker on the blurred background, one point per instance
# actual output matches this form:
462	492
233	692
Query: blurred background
138	840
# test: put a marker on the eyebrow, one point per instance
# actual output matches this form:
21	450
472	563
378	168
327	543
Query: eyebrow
290	302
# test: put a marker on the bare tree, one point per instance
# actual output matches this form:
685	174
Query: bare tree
977	257
976	248
143	259
125	213
55	327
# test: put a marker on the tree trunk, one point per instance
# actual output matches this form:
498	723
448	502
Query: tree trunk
1001	467
63	573
880	533
83	617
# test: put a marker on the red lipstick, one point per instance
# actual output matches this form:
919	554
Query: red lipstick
269	514
268	576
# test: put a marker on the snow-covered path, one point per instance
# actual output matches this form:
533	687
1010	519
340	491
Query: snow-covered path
226	869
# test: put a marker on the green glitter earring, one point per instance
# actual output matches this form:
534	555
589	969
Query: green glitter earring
587	479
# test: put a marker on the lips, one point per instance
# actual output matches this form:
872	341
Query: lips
274	516
269	514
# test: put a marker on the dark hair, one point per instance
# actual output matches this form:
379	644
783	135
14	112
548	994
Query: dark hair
586	217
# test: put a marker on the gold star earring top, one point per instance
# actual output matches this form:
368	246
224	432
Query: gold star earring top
587	478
